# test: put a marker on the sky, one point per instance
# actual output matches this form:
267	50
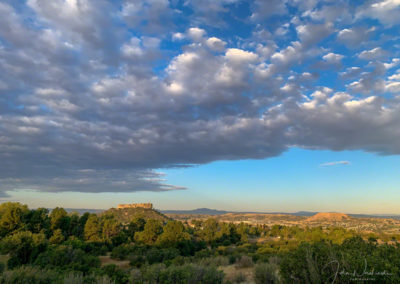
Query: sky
266	106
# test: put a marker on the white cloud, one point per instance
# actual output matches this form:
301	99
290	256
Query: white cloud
114	89
178	36
351	73
393	87
372	54
328	164
133	48
196	34
310	34
393	63
395	77
354	37
386	11
239	56
265	9
215	44
332	57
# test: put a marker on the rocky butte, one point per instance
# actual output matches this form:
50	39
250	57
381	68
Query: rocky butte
136	205
325	216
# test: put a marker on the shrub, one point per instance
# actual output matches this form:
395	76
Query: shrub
239	277
179	260
136	260
121	252
135	276
189	273
244	262
266	273
152	273
326	262
66	257
23	247
115	273
79	278
232	259
203	253
31	275
161	255
214	261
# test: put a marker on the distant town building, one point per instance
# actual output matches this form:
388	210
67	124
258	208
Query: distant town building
136	205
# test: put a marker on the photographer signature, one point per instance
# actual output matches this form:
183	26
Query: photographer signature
365	275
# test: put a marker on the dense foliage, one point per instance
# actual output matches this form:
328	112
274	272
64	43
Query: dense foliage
39	246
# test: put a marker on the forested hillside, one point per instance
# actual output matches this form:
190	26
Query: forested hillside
41	247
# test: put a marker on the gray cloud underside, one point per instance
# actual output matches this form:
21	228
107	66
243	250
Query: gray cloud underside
81	108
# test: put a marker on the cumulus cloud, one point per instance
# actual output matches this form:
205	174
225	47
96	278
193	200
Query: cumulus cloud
265	9
370	81
338	12
350	73
208	12
136	14
354	37
395	77
97	96
178	36
196	34
393	63
393	87
310	34
332	57
215	44
375	53
386	11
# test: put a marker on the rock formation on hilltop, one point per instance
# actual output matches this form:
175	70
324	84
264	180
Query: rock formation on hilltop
325	216
136	205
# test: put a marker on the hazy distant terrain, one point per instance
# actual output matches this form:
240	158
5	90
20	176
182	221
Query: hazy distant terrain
357	222
207	211
82	210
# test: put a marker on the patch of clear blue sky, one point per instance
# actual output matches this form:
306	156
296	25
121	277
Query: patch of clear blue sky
297	177
294	181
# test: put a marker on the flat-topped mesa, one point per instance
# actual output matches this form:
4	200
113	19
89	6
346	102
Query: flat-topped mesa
136	205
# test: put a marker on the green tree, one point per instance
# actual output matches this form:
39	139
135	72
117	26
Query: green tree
23	247
66	257
74	227
57	237
110	228
92	229
210	230
136	225
13	215
59	219
149	235
38	220
82	222
173	233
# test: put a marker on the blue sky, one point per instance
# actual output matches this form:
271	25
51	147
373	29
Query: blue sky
237	105
298	180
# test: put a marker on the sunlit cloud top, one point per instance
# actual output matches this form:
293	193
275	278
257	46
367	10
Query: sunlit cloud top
96	96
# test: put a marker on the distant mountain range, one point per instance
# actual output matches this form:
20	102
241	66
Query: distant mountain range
207	211
83	210
211	212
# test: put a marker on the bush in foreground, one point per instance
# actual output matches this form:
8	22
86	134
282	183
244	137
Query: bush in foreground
189	273
266	273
